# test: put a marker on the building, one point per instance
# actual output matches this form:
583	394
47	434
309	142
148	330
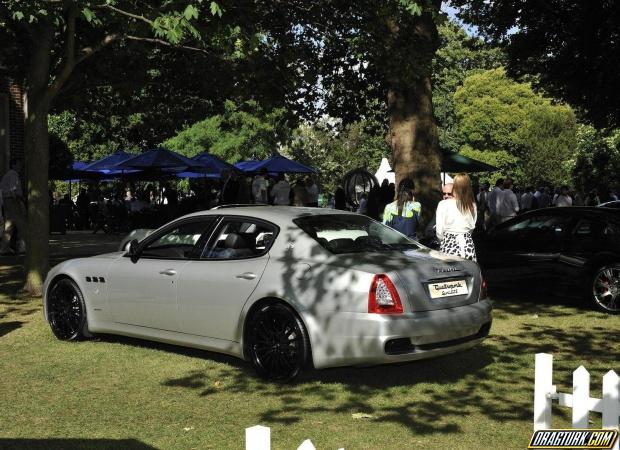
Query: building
12	119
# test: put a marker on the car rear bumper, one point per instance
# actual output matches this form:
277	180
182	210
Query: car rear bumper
345	338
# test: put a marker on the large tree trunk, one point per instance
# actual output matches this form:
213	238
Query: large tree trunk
414	141
413	131
37	157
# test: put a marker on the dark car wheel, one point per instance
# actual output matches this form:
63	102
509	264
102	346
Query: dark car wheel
66	311
606	288
277	342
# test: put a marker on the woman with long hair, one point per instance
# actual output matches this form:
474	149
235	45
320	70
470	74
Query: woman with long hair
456	219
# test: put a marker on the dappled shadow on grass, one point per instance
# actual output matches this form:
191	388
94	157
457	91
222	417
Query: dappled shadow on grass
494	380
7	327
73	444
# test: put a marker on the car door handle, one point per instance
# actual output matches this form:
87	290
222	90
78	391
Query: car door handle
169	272
247	275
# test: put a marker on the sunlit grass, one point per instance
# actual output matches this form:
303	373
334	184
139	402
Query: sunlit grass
123	393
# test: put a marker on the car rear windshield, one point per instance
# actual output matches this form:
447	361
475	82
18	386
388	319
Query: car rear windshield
347	233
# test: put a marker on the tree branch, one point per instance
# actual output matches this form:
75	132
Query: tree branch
167	44
69	62
87	52
125	13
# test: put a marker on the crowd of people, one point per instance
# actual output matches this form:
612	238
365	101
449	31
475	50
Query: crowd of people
120	209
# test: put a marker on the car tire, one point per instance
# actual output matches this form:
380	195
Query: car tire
66	311
605	288
277	342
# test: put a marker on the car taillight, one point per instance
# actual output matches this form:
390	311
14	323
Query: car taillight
383	297
483	289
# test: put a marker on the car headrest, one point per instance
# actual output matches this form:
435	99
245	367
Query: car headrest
235	240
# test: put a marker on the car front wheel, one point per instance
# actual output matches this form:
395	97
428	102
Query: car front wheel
606	288
278	346
66	311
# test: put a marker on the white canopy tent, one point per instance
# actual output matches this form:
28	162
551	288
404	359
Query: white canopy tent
384	172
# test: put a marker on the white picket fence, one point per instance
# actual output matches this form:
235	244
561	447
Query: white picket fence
259	438
580	401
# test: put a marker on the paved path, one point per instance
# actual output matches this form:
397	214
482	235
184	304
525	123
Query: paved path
74	244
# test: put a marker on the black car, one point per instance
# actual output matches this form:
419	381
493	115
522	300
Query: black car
571	249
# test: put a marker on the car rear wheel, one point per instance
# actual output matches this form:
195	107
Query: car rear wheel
606	288
66	311
278	345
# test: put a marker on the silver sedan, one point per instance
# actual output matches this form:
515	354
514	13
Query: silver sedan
281	287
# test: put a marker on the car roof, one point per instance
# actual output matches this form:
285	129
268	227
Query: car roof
575	211
277	214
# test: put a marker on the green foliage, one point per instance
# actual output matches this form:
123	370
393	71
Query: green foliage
495	113
240	132
597	159
457	57
507	163
91	140
570	47
335	152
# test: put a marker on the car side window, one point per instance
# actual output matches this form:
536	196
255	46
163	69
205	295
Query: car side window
239	239
592	228
178	242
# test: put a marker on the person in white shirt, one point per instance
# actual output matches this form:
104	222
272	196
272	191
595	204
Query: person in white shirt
563	199
280	192
527	198
14	208
507	205
456	219
492	200
259	187
313	193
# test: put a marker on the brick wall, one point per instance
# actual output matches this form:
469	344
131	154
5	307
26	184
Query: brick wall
11	122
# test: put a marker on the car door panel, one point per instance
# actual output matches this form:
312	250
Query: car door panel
212	295
142	288
144	293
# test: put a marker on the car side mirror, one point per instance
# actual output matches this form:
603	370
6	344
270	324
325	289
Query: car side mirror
132	249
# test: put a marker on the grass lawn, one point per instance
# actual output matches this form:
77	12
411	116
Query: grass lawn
116	392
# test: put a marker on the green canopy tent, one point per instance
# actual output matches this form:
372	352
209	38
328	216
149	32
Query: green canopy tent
455	162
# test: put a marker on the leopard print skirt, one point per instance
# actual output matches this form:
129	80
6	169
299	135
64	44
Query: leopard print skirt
459	244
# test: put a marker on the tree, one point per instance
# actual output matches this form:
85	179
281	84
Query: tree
241	132
597	159
495	114
58	38
457	57
572	48
334	152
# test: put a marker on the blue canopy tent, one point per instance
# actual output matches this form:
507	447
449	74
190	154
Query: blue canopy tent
212	167
107	164
162	161
275	164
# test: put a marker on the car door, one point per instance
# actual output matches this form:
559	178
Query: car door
214	289
549	235
590	236
143	289
503	252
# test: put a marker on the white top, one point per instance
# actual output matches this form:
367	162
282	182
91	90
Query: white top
526	200
507	205
449	219
492	199
281	192
10	185
259	189
563	200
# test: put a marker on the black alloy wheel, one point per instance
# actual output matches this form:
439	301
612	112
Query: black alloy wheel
66	311
278	345
606	288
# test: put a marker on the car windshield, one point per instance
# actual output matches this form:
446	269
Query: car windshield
346	233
